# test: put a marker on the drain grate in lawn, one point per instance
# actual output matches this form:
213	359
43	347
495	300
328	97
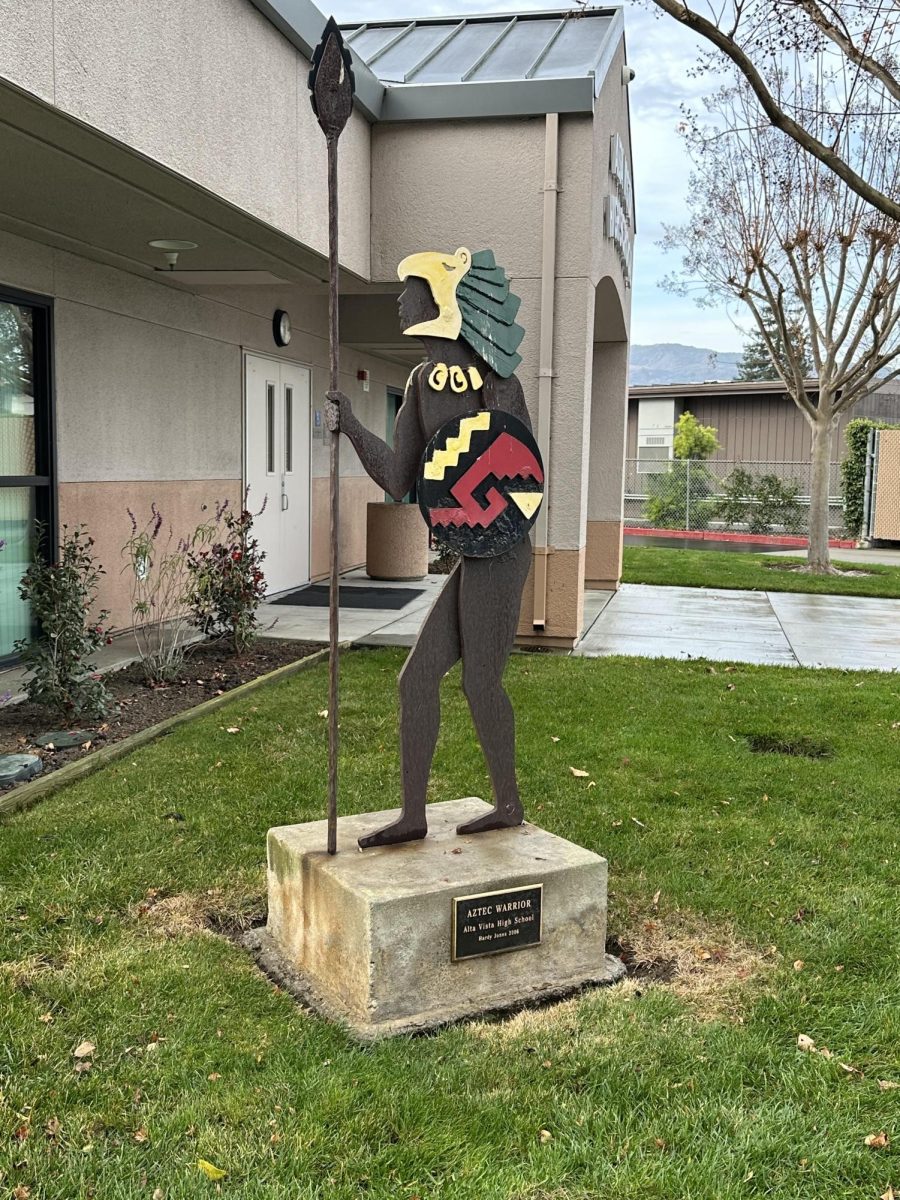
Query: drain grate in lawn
800	747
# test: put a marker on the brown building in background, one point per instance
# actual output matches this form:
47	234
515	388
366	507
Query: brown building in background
755	422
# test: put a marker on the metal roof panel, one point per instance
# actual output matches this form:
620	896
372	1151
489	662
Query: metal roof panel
503	48
514	55
573	53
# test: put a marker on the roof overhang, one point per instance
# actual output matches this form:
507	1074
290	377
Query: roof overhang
301	22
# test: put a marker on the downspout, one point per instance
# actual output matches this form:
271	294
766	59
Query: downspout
545	366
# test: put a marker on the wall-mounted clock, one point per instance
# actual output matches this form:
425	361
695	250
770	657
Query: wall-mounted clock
281	327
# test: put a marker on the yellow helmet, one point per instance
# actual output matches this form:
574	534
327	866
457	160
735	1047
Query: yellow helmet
442	273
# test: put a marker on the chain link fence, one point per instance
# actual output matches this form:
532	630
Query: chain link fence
730	497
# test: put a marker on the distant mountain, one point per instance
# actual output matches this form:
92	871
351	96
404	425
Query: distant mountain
672	363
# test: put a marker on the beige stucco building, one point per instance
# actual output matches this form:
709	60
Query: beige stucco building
136	382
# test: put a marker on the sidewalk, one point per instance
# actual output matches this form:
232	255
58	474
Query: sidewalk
776	628
780	628
785	628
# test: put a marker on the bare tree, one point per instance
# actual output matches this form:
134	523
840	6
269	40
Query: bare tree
859	40
773	227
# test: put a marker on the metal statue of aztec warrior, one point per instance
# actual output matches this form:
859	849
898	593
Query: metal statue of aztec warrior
463	437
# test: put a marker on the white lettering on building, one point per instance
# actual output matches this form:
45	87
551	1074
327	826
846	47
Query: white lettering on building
619	213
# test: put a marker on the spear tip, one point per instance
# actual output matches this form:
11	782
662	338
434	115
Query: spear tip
331	81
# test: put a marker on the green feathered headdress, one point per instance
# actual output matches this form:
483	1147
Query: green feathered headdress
489	311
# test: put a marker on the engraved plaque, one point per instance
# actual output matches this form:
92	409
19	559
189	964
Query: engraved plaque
494	922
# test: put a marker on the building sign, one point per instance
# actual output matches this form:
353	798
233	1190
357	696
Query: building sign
619	211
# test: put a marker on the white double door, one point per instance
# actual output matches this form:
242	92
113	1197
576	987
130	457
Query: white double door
277	420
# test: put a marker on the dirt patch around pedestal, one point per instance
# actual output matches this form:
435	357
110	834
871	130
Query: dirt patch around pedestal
209	670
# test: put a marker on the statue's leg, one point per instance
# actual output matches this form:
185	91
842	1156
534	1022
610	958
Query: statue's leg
490	594
434	653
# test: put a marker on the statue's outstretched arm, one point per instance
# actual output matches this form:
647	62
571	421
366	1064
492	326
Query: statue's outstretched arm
392	468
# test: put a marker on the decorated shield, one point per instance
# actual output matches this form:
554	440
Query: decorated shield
481	483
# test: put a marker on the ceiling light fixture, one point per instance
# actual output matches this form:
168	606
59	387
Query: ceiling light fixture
172	248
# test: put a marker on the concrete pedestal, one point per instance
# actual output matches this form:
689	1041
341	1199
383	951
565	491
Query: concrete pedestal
367	937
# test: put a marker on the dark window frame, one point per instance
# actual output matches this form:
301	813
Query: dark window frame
44	479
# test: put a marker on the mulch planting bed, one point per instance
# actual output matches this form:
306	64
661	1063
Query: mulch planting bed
209	670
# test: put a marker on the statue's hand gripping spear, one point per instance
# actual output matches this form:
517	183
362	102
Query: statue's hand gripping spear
331	85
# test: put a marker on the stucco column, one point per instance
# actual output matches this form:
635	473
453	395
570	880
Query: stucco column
609	420
567	471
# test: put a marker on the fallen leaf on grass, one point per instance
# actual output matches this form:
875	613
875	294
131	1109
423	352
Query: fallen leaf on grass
22	1192
47	1018
578	773
233	729
799	964
158	1194
546	1136
656	896
210	1171
21	1134
877	1141
890	1194
84	1050
214	1076
52	1128
804	1042
323	712
81	1068
141	1135
553	739
887	1085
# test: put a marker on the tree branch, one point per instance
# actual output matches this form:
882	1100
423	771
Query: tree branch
839	37
773	110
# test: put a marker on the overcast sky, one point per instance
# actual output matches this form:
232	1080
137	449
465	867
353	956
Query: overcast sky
660	52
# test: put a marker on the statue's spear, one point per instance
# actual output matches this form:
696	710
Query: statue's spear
331	84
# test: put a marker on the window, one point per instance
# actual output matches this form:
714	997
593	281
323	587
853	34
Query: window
288	430
26	491
270	428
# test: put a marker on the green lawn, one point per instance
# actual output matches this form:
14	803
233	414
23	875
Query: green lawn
758	572
689	1090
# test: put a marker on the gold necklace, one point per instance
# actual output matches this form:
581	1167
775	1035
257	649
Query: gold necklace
460	380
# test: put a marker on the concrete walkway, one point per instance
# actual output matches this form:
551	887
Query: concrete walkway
782	628
778	628
668	622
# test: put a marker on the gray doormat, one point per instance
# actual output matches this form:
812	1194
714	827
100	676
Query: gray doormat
316	596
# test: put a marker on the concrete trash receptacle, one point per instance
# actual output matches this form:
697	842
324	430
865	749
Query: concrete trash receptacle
396	541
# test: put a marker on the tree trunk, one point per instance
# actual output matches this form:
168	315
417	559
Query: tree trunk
819	558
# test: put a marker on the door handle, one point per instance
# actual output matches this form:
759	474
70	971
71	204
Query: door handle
284	502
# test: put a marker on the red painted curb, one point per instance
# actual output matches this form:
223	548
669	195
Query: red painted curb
754	539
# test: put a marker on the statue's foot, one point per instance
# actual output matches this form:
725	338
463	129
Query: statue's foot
404	829
506	817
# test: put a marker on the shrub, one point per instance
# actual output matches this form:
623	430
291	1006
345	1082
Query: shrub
774	504
732	505
853	471
680	497
159	579
226	582
762	502
60	674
